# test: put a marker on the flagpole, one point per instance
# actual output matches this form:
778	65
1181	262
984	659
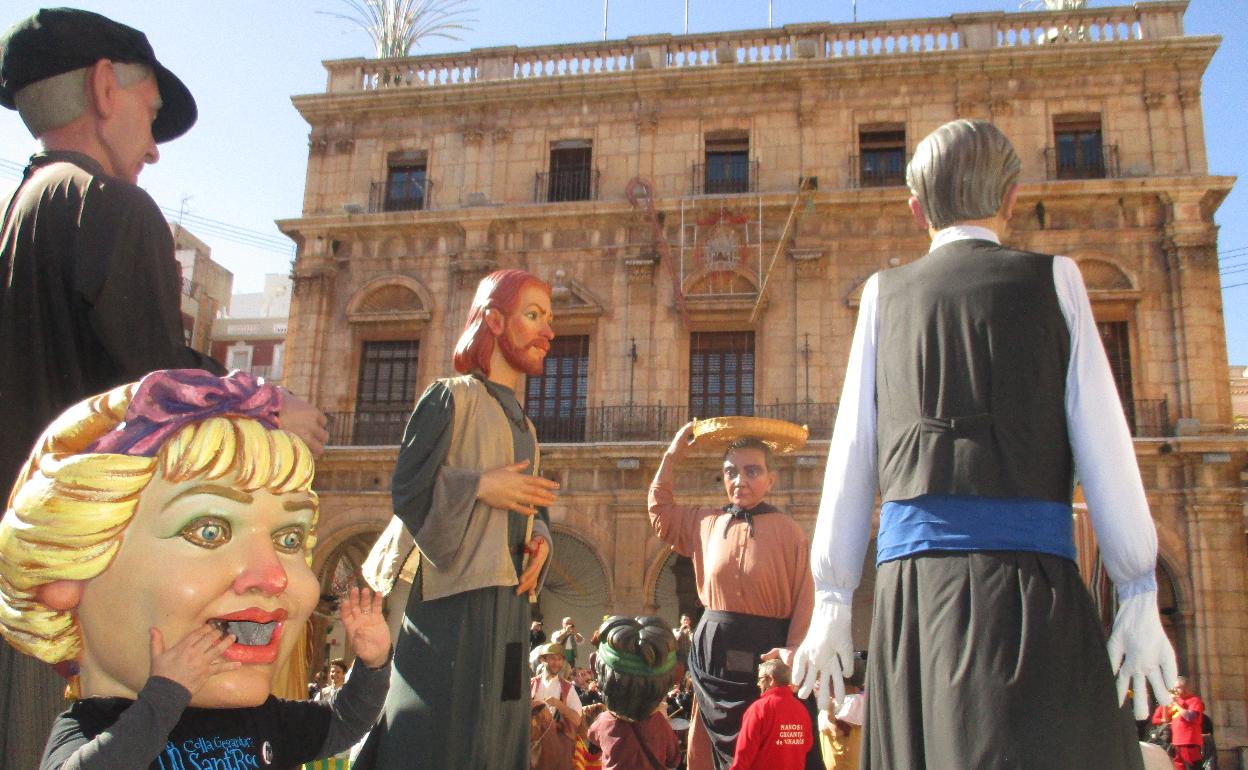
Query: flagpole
769	2
604	19
686	17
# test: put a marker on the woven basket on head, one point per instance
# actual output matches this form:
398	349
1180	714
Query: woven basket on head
717	433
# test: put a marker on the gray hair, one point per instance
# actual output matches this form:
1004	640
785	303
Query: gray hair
59	100
962	171
776	670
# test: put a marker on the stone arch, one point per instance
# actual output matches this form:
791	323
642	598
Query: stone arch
390	298
1102	274
719	280
854	297
578	585
674	590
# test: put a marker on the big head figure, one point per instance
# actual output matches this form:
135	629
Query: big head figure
168	504
508	329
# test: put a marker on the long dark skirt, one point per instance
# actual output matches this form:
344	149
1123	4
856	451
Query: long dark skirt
990	660
459	695
724	662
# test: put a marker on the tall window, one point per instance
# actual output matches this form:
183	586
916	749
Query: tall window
386	393
882	156
555	401
407	185
1079	152
727	168
1117	348
571	172
721	373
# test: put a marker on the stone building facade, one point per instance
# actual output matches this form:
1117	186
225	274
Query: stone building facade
707	208
205	287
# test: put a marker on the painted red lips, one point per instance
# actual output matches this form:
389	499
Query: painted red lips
258	634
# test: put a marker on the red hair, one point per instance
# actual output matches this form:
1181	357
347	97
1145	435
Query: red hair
500	290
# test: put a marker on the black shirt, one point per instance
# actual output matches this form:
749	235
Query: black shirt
89	296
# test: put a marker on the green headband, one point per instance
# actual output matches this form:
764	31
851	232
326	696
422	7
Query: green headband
632	664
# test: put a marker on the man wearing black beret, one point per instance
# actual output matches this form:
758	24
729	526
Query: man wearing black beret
90	296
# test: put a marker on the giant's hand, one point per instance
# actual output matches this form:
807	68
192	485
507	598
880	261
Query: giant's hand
681	443
365	626
538	550
510	488
1139	651
827	653
304	420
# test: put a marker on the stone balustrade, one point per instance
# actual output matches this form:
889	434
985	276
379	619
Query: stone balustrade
1142	21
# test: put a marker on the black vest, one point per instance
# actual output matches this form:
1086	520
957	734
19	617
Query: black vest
971	376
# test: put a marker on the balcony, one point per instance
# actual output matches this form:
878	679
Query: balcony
1097	162
595	425
762	47
407	195
724	178
381	427
1148	418
579	184
877	170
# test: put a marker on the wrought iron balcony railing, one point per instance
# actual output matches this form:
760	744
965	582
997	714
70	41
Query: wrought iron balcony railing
877	171
724	178
578	184
384	427
1098	162
409	195
1148	418
367	427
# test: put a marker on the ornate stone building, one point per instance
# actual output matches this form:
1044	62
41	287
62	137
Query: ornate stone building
707	208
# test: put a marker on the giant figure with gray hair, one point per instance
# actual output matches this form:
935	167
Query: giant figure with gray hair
91	296
976	385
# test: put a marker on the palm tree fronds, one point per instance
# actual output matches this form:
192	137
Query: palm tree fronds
396	26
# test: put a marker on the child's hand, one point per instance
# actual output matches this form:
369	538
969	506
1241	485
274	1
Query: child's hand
192	661
367	632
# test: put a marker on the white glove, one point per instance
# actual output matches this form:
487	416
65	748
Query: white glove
1139	651
825	723
827	653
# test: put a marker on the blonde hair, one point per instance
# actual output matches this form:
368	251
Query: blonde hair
66	514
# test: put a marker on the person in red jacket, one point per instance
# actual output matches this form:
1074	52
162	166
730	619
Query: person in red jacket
776	732
1183	713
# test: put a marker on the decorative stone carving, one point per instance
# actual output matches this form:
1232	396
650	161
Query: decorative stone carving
809	263
641	268
473	134
1154	99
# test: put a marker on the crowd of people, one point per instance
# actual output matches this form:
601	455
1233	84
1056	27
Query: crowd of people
150	485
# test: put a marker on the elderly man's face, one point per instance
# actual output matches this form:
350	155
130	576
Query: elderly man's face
197	553
126	135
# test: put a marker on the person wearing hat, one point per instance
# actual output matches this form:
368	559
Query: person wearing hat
556	692
976	384
91	296
751	563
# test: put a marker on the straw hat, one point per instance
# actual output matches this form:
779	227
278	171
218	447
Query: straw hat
716	433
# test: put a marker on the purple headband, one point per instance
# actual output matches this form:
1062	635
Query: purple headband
169	400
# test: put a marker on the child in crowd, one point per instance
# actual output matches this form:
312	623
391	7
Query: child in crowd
636	664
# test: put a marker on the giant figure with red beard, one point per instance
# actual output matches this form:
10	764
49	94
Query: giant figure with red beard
467	494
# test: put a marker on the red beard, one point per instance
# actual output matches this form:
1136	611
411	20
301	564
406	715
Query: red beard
518	356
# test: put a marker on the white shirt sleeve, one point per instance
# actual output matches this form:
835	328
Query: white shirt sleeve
1101	441
843	528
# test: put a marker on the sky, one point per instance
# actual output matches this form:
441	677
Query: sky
244	163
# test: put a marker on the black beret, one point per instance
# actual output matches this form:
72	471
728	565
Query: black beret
58	40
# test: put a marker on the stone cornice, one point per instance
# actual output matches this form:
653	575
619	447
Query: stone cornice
374	224
1186	52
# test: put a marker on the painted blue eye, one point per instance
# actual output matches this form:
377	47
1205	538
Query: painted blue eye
207	533
290	540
